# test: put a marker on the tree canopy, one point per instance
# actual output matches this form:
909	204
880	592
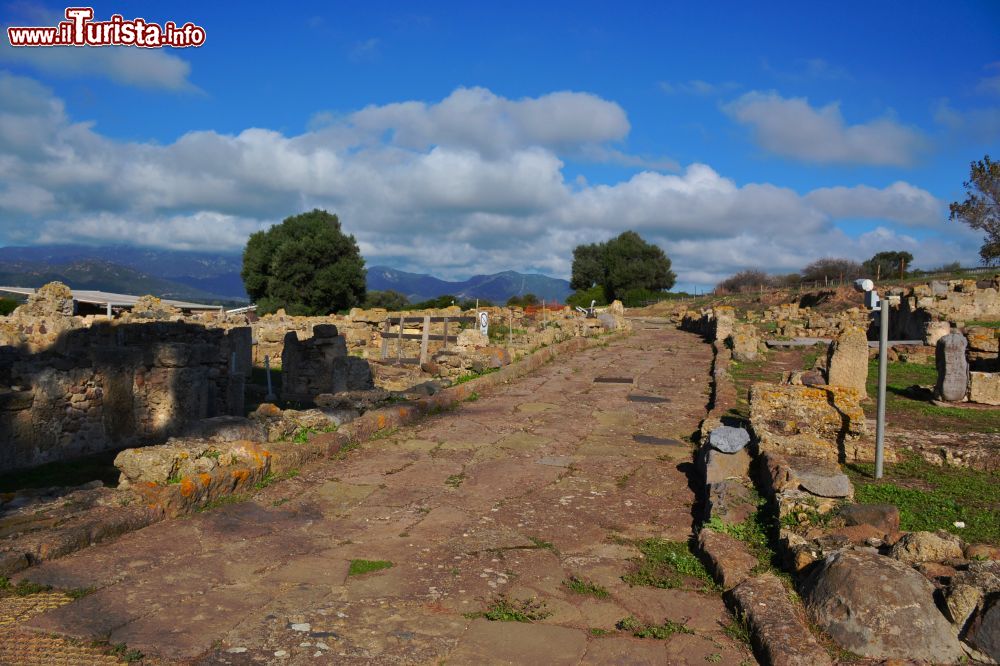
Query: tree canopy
306	265
389	299
621	264
744	280
981	208
888	264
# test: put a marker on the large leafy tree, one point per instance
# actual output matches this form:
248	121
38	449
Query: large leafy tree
306	265
621	264
981	208
888	264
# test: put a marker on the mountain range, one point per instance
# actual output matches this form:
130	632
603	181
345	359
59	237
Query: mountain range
215	277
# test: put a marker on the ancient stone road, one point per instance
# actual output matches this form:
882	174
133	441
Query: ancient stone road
513	493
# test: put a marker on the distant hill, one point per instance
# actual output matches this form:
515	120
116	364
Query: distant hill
497	287
215	277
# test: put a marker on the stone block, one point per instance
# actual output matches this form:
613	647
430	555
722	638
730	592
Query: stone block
883	516
731	501
848	366
717	466
952	368
728	439
917	547
729	559
984	387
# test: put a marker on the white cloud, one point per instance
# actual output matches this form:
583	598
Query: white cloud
423	187
793	128
978	125
899	202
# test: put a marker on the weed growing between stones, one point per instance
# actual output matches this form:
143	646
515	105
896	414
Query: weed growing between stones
586	587
359	567
668	565
597	632
455	480
304	433
23	588
542	544
502	609
468	377
122	651
378	434
472	397
738	629
80	592
657	631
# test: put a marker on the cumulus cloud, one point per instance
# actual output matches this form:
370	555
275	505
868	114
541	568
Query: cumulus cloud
794	128
422	186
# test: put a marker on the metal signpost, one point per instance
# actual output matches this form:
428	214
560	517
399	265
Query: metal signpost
484	324
873	302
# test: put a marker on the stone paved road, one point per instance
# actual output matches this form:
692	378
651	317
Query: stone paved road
512	494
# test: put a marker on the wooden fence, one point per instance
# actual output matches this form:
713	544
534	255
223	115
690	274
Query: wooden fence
425	336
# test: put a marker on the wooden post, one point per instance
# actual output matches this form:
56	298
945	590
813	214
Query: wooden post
399	345
424	339
445	332
385	338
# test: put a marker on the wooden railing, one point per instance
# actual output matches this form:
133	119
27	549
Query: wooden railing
425	336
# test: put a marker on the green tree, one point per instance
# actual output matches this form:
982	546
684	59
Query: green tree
621	264
981	208
888	264
389	299
7	305
306	265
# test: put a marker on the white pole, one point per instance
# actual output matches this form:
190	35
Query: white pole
883	344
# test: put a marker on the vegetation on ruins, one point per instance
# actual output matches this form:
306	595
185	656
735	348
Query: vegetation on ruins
7	305
306	265
744	281
621	264
981	208
523	301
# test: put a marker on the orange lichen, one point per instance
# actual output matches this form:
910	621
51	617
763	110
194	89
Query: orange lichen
241	475
187	487
380	421
205	479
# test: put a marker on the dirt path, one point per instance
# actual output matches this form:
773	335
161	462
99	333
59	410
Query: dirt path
512	494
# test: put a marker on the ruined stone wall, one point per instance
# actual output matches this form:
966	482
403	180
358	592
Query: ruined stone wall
921	306
115	384
321	365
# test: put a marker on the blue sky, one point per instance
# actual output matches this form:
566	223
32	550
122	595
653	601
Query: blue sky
456	138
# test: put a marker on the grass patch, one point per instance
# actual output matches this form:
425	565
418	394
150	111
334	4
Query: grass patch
913	408
930	497
658	631
468	377
455	480
23	588
597	632
990	323
379	434
123	652
542	543
360	567
502	609
738	629
80	592
472	397
668	565
225	500
585	587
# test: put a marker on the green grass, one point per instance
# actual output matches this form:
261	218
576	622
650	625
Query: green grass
738	629
80	592
455	480
502	609
585	587
542	543
932	497
658	631
903	408
984	323
359	567
122	651
23	588
668	565
597	632
468	377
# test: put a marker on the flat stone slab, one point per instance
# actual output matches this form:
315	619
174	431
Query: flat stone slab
488	642
613	380
652	399
778	633
657	441
797	342
728	439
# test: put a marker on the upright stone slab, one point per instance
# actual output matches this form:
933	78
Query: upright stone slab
952	368
849	360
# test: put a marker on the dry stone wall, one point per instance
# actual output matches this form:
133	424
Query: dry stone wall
98	385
